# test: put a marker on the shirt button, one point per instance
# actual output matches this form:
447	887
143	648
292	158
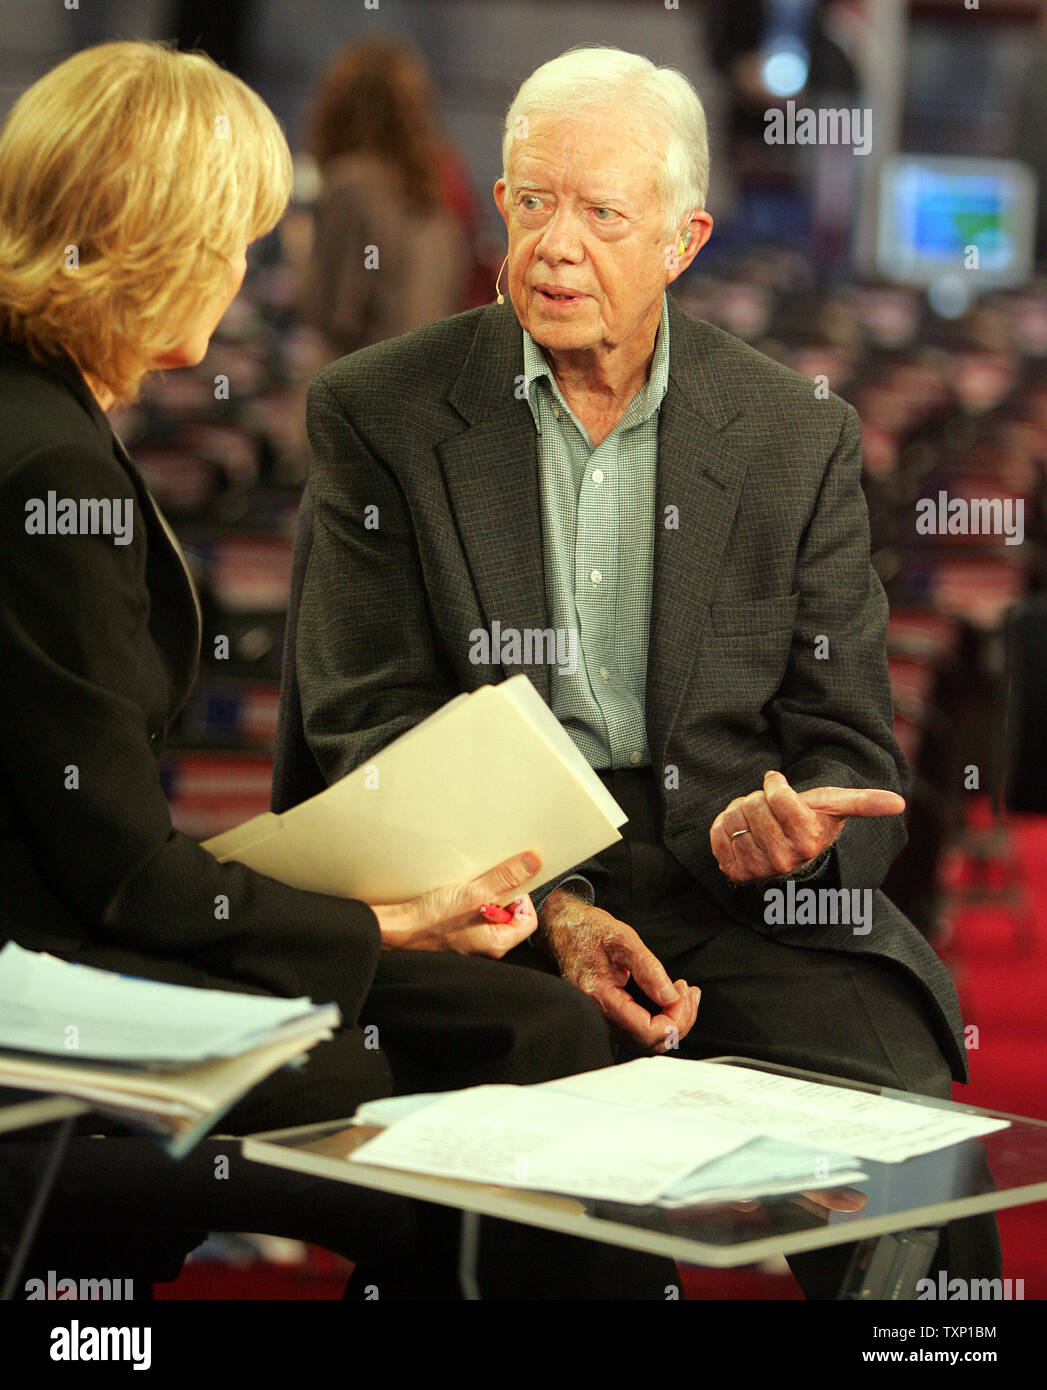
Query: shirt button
605	675
597	475
595	576
634	758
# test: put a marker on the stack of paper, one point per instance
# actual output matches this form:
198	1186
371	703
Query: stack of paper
818	1116
660	1130
166	1058
533	1136
489	775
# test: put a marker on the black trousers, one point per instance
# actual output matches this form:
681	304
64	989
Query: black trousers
823	1011
122	1209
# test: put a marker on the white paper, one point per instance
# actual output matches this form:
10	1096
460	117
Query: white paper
75	1013
533	1137
763	1168
826	1118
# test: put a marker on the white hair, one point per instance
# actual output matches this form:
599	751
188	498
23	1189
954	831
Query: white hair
584	78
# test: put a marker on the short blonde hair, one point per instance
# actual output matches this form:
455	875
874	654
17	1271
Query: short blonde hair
130	175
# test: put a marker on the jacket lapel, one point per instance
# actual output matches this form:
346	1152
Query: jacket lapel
491	470
153	513
160	533
701	474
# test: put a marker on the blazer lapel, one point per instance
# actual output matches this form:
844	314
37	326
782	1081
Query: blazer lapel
491	470
699	473
160	524
153	512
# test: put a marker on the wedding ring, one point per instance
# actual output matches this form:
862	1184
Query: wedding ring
736	833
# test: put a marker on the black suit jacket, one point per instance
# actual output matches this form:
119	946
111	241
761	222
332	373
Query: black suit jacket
98	649
428	525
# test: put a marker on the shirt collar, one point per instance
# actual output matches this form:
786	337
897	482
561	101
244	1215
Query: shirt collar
536	367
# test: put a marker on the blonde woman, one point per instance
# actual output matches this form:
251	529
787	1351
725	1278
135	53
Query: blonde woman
132	180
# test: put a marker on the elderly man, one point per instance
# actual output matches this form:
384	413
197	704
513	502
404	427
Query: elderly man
591	460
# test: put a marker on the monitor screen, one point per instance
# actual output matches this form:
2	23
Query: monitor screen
942	216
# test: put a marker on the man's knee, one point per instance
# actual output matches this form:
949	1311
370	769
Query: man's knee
906	1030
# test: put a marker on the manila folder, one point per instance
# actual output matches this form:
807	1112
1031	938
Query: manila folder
487	776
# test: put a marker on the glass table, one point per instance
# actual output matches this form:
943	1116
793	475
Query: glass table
18	1111
894	1214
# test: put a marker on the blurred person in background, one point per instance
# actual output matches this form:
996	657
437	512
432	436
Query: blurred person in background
391	248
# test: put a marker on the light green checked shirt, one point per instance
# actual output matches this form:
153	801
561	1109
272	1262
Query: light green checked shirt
598	533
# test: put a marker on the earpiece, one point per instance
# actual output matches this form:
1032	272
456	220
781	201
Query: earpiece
500	296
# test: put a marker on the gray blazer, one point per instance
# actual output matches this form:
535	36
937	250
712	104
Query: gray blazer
428	525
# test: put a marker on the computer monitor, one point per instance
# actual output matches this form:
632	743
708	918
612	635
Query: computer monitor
935	208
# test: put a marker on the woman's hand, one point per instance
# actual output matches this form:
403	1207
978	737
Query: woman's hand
448	919
483	938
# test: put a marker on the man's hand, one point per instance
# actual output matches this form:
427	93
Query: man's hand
598	953
819	1202
777	831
